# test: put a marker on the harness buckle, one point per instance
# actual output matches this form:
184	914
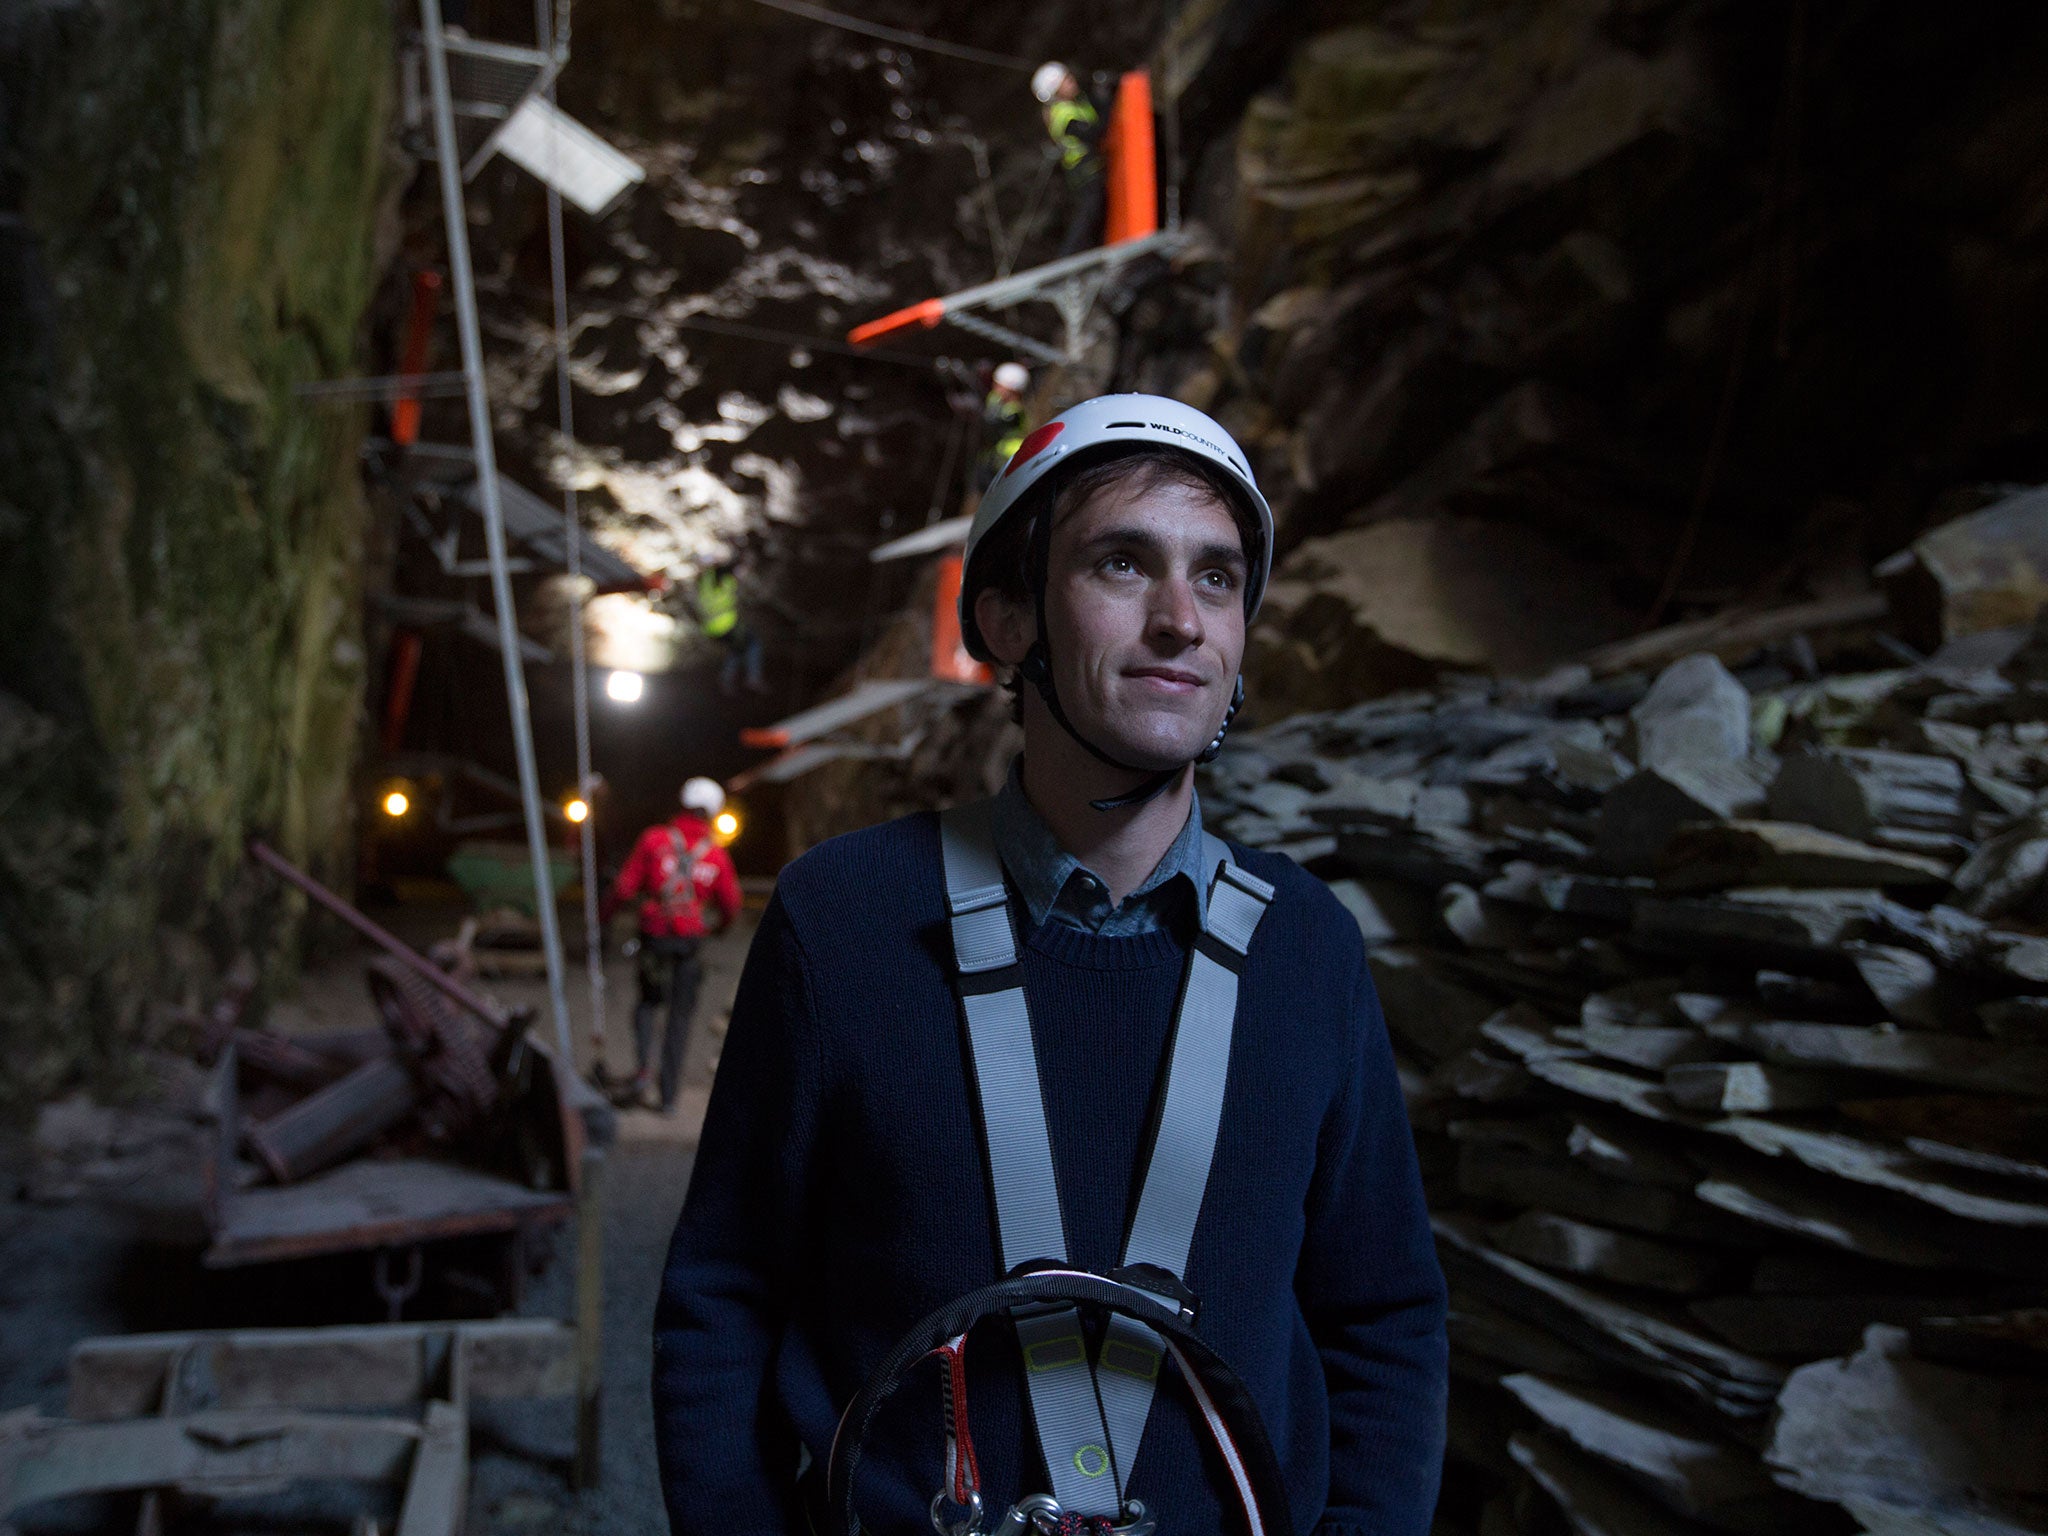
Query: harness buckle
1161	1284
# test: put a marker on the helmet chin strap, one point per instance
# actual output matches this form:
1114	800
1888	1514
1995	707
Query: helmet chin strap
1036	669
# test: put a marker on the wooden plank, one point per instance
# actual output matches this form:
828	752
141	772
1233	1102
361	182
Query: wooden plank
223	1108
375	1204
54	1459
590	1321
369	1366
437	1486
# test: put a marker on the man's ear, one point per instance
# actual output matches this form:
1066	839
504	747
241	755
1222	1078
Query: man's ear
1007	625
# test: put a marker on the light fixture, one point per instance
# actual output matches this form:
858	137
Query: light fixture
396	804
625	687
577	810
727	825
562	152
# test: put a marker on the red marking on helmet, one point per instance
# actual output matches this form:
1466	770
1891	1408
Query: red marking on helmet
1034	444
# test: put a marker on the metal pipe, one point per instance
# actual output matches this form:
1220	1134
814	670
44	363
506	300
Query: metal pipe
485	451
490	1011
593	933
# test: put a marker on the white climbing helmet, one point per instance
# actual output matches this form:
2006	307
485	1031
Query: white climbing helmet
1045	80
704	796
1103	428
1013	376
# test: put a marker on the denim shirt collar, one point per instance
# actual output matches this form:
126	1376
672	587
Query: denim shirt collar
1054	884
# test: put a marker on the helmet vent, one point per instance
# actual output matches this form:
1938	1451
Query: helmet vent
1115	424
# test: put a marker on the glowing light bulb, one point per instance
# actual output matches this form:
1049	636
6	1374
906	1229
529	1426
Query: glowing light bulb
577	810
396	804
625	687
726	825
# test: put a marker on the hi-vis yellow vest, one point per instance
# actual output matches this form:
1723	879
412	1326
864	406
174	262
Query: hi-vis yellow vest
718	603
1007	416
1061	118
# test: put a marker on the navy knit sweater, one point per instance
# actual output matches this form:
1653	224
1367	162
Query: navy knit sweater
840	1195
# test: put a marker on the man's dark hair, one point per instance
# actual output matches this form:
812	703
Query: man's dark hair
1005	559
1011	558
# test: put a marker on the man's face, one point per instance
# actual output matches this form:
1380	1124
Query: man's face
1145	603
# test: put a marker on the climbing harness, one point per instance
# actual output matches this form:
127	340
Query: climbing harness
1093	432
678	895
1089	1414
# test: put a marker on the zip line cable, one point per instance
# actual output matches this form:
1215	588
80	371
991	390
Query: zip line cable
557	37
897	35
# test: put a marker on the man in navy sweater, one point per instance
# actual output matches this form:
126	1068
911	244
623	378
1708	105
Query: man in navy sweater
843	1189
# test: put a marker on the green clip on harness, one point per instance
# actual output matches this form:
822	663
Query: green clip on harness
1090	1415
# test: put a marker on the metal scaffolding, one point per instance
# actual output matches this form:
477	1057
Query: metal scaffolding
450	167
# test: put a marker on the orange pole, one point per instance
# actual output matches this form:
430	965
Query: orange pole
419	329
1132	182
927	312
950	659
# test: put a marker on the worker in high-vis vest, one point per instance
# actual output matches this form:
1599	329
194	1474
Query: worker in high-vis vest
718	615
1067	1064
1003	422
1077	125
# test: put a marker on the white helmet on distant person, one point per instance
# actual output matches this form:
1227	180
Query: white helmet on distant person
1047	79
1014	377
704	796
1095	432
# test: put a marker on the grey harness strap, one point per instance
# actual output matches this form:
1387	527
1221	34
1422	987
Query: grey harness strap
1090	1420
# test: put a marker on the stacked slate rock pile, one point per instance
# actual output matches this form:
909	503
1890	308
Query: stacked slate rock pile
1721	1003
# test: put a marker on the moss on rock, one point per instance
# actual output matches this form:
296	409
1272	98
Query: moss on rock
180	536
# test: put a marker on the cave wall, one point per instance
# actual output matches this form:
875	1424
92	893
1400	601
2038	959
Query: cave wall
188	203
1545	323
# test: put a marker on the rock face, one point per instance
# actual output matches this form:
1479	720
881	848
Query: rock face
189	235
1400	600
1985	570
1612	276
1734	1151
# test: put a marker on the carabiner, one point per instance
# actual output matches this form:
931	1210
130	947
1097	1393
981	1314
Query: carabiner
971	1526
1033	1515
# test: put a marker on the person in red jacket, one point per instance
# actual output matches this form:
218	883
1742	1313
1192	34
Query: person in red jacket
687	888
